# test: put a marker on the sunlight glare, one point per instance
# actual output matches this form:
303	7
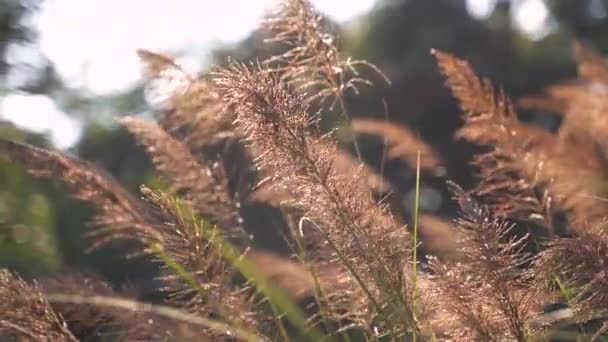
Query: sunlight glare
481	9
39	114
532	18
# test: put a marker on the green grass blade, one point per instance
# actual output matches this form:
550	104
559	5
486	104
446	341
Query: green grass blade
278	298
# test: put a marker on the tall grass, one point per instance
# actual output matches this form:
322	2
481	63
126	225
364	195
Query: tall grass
250	133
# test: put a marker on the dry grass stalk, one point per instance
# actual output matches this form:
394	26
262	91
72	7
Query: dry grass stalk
433	231
89	321
546	169
210	329
559	98
555	99
124	217
579	263
117	208
591	65
312	62
487	291
193	115
188	110
508	172
362	231
203	186
344	163
26	314
402	142
189	242
209	195
586	102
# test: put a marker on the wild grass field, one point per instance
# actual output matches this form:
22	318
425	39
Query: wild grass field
525	259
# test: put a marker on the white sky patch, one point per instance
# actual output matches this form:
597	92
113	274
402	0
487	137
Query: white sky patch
92	42
92	45
532	18
39	114
481	9
343	10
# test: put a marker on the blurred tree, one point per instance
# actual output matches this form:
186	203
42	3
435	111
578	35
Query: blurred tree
13	26
28	236
41	228
585	19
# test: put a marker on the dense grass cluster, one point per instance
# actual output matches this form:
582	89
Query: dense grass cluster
505	269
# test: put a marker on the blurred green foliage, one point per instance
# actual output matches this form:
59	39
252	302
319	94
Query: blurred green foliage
28	235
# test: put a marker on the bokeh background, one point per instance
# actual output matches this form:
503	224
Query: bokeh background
68	69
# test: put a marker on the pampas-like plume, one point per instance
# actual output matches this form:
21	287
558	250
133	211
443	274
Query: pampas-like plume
555	98
155	223
587	102
190	113
579	263
162	222
433	231
312	60
204	187
487	292
26	314
529	157
559	98
364	235
189	242
591	65
344	163
491	120
117	208
188	110
402	142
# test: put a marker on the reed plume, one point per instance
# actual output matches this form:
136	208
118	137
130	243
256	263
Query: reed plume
487	291
365	236
528	172
312	60
203	186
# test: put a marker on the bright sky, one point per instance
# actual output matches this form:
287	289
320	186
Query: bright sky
92	43
108	31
